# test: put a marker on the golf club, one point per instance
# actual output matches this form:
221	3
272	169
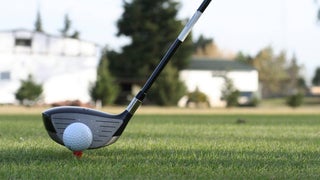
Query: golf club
107	128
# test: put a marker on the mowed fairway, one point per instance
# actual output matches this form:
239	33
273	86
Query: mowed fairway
154	146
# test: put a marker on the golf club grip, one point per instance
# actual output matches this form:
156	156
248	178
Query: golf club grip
172	49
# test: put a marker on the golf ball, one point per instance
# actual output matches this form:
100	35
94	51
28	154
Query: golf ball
77	137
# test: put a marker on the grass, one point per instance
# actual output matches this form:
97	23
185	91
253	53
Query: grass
281	102
171	147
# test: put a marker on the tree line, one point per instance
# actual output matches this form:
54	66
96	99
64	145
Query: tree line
151	26
278	75
65	31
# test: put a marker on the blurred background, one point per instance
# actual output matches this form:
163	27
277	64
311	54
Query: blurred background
88	51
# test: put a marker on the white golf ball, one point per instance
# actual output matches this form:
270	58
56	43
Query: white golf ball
77	137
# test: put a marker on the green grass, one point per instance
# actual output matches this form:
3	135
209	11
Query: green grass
171	147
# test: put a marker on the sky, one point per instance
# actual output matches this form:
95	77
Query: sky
246	25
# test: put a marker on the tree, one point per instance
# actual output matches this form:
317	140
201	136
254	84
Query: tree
168	89
29	91
104	89
295	83
38	23
207	48
198	97
66	27
272	71
295	100
75	35
229	93
151	26
202	42
318	14
316	77
277	75
244	58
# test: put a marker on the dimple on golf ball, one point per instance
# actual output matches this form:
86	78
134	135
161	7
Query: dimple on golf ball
77	137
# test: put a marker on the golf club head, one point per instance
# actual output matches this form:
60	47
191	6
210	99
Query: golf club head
105	128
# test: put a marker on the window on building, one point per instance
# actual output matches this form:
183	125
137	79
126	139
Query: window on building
5	75
23	42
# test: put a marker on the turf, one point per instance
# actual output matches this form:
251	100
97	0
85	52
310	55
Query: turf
171	147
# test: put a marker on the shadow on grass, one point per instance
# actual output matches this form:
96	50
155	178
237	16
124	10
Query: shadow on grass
27	155
214	163
212	157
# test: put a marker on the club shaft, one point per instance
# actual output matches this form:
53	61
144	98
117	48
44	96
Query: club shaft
172	49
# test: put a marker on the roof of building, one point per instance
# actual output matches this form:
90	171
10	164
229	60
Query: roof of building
22	41
24	30
218	65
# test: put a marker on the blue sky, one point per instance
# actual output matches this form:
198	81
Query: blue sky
247	25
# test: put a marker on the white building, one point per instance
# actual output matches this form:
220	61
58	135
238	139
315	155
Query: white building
65	67
209	77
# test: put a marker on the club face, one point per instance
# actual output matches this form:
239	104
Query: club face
105	128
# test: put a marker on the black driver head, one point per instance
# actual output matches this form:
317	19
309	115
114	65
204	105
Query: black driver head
105	128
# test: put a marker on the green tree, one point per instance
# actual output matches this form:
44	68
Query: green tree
151	26
244	58
202	42
295	100
229	93
65	31
38	23
29	91
75	35
295	82
316	77
104	89
168	89
198	97
66	26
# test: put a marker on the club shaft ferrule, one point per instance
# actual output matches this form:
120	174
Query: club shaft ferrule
134	105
